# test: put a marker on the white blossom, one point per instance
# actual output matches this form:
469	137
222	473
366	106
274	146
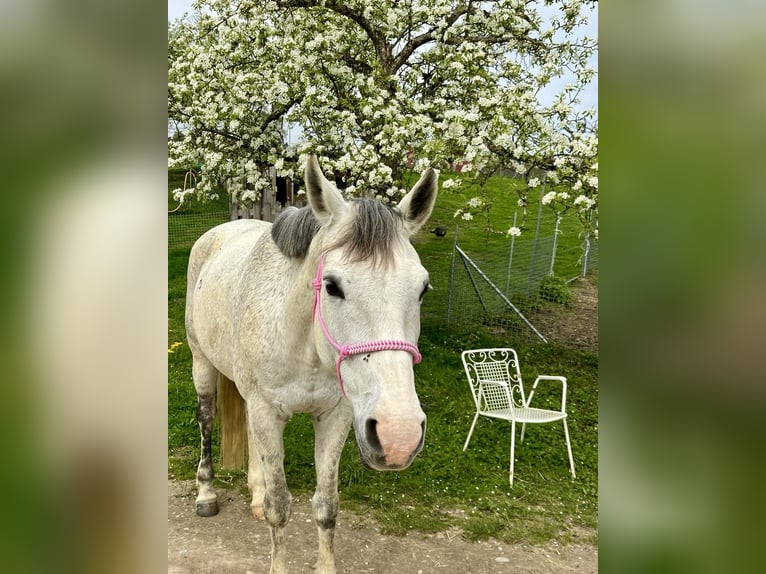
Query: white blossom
584	202
475	202
233	94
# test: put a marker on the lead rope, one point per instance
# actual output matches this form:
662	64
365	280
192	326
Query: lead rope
355	348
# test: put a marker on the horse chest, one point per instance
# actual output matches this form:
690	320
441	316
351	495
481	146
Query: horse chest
292	382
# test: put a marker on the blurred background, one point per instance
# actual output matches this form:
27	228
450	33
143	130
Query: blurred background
682	308
83	267
682	283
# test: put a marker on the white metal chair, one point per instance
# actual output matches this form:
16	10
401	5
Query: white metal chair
498	392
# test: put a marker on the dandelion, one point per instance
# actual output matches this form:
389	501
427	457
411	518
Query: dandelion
174	346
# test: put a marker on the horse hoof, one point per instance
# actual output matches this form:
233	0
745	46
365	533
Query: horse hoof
206	509
258	512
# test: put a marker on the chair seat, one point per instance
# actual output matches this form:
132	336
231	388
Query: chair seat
526	415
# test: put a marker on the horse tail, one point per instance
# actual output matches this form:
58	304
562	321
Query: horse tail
231	408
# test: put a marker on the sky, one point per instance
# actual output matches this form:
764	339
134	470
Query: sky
176	8
588	98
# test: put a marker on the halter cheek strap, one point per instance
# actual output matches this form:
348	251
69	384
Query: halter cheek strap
356	348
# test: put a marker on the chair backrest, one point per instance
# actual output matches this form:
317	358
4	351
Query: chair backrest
501	365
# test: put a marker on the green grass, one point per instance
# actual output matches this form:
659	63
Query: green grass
444	487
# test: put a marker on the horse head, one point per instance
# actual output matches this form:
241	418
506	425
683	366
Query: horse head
369	287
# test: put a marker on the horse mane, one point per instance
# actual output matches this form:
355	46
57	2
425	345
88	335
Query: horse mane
370	234
293	230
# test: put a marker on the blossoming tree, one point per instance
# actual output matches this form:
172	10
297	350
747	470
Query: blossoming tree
375	84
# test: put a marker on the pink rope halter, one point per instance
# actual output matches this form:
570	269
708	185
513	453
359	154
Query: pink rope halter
356	348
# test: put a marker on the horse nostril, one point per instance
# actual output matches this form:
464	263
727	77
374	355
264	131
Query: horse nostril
371	430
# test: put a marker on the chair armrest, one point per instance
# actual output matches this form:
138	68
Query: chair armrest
563	381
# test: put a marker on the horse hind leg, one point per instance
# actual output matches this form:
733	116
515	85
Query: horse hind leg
205	377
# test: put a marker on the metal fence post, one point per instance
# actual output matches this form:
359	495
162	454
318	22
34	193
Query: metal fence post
534	245
451	276
510	257
555	243
586	248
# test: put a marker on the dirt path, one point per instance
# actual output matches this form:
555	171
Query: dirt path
575	325
233	542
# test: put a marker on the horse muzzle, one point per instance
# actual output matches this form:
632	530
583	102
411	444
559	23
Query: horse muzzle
390	444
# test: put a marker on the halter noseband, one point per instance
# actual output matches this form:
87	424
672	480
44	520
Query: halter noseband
357	348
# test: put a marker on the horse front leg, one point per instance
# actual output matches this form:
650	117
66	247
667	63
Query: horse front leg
265	434
255	480
331	429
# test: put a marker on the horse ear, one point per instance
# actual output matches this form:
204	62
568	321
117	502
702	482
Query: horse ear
326	201
417	205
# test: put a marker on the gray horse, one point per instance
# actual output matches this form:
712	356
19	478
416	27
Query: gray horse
318	313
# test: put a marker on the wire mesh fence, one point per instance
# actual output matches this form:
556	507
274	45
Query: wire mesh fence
495	306
185	228
499	288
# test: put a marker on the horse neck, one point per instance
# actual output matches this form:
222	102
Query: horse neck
299	294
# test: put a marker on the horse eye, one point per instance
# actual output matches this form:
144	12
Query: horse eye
333	290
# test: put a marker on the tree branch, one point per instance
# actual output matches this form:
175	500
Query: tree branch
382	49
429	36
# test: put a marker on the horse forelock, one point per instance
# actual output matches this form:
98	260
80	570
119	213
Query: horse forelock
371	233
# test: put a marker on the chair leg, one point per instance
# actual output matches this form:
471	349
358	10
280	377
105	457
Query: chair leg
569	449
513	444
523	427
470	432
